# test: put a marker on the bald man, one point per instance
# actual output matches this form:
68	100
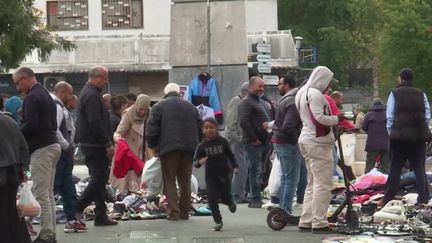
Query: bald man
93	134
39	128
64	185
255	114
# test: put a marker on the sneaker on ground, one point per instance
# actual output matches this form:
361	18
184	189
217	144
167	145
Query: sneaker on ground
218	226
74	226
269	204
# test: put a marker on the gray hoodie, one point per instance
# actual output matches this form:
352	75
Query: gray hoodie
314	109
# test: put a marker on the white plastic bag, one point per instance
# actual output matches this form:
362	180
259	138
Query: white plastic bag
152	177
27	204
275	177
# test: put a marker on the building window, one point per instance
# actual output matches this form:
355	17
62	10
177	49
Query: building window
122	14
67	14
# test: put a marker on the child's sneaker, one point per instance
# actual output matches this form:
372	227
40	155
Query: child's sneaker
232	207
74	226
218	226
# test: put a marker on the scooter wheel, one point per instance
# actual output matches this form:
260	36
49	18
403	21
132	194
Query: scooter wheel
276	219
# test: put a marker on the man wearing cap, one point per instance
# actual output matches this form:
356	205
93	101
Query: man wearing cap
408	116
233	134
172	133
316	145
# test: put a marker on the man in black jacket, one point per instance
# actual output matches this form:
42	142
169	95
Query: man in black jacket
286	131
172	133
39	128
93	135
408	116
255	115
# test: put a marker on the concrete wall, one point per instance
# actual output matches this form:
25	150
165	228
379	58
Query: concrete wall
261	15
156	19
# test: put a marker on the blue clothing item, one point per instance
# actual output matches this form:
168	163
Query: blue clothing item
205	92
257	155
290	160
65	186
391	107
12	105
302	184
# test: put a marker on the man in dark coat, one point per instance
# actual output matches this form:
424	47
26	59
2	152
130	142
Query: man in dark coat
377	142
255	115
408	116
94	137
172	133
13	155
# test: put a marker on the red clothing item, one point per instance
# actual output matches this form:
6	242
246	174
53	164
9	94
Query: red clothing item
126	160
335	111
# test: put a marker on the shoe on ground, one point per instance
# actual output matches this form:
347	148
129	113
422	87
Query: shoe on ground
232	207
324	230
304	229
270	204
105	222
172	218
74	226
218	226
255	205
38	240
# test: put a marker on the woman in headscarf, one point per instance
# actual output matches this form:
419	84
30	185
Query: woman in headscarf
13	106
131	129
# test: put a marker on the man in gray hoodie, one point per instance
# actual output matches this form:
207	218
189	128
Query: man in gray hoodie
316	145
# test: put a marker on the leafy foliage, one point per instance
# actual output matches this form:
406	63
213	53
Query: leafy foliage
21	32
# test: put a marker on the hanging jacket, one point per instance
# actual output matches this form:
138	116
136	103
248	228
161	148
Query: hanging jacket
126	160
205	92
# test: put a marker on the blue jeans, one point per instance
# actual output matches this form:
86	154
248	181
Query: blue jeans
257	155
301	187
65	186
290	160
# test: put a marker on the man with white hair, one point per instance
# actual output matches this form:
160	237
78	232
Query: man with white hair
172	133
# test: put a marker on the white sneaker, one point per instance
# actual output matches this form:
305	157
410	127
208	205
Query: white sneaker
297	206
393	210
269	204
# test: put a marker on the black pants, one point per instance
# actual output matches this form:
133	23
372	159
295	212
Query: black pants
415	154
12	228
64	184
97	162
218	187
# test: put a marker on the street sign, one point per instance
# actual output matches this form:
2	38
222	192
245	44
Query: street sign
260	58
261	48
262	67
271	79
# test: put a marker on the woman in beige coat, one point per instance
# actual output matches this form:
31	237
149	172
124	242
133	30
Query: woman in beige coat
131	128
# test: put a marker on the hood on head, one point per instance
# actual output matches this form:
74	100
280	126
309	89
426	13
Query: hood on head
321	78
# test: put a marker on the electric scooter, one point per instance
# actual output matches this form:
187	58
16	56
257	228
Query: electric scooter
278	218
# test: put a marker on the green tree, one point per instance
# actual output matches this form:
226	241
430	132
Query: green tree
406	42
21	32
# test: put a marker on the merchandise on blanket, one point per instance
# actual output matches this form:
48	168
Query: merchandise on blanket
392	211
361	239
373	178
410	199
408	180
200	211
27	204
395	229
425	215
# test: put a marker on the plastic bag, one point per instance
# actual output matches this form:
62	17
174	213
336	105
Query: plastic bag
348	146
275	178
27	204
152	177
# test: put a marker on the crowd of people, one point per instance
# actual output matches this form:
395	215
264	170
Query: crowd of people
41	132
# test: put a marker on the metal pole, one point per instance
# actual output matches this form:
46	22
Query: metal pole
208	37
